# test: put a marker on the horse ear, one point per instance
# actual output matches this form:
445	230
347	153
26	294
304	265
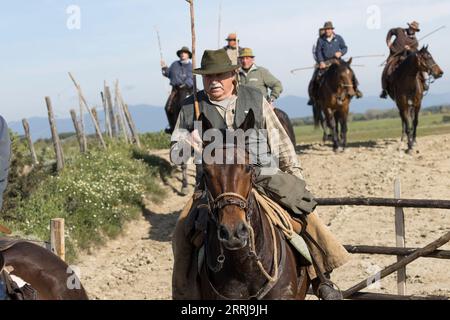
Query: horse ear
206	125
249	122
349	62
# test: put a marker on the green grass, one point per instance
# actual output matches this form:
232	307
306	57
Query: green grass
429	124
96	193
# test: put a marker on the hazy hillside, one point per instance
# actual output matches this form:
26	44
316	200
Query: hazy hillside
152	118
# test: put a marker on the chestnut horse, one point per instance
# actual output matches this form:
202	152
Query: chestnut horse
50	276
244	258
407	90
335	92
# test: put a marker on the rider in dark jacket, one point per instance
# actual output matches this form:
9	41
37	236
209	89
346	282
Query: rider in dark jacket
405	43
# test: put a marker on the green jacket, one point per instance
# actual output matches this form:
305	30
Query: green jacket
263	80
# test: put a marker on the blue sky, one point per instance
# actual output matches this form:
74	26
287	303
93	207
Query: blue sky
117	40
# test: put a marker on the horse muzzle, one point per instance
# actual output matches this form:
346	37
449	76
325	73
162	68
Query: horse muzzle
236	239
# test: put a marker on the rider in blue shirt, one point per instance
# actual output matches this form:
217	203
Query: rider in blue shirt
330	46
182	82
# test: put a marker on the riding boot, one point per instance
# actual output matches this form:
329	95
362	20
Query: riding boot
324	289
384	94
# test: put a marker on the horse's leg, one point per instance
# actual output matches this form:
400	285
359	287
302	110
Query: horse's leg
331	121
344	130
184	187
406	116
415	124
45	272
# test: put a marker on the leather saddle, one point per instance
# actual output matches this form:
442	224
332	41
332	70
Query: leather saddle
8	288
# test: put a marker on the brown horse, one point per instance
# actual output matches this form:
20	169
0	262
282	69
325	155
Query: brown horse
407	90
50	276
287	124
173	107
335	92
243	257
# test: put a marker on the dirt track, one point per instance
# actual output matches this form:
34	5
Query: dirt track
138	264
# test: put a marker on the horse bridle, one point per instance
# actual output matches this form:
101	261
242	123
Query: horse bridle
245	203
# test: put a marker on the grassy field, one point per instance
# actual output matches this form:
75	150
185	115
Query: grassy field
429	124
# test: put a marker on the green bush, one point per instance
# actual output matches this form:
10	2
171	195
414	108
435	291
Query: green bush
95	194
155	141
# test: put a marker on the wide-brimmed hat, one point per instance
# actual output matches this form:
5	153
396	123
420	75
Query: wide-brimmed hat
246	52
414	25
215	62
327	25
231	37
186	50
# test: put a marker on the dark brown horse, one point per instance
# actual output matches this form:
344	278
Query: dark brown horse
287	124
407	90
173	107
244	258
335	92
50	276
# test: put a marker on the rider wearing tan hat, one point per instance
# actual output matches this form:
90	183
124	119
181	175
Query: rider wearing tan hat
258	77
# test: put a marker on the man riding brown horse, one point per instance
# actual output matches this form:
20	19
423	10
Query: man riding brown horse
404	44
330	48
181	80
226	105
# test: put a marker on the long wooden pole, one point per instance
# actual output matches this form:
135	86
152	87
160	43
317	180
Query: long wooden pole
194	57
55	137
132	125
76	125
112	118
26	128
107	120
384	202
394	251
120	109
83	100
400	264
82	131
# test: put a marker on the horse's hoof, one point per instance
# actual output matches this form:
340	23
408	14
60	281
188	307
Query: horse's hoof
409	151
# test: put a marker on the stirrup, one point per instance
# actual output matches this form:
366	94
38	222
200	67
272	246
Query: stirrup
326	291
384	94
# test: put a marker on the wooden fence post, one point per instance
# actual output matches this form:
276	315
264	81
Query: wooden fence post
121	127
55	137
26	128
132	125
83	100
112	117
107	120
57	240
81	124
400	238
120	111
76	125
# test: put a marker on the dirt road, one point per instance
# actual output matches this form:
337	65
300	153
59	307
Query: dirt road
138	264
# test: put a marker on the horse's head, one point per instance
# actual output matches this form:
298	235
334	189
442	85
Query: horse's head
427	63
344	76
228	177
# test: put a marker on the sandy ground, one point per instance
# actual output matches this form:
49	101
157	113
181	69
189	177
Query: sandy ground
138	264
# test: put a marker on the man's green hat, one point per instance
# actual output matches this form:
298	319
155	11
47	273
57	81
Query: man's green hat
327	25
246	52
215	62
185	50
